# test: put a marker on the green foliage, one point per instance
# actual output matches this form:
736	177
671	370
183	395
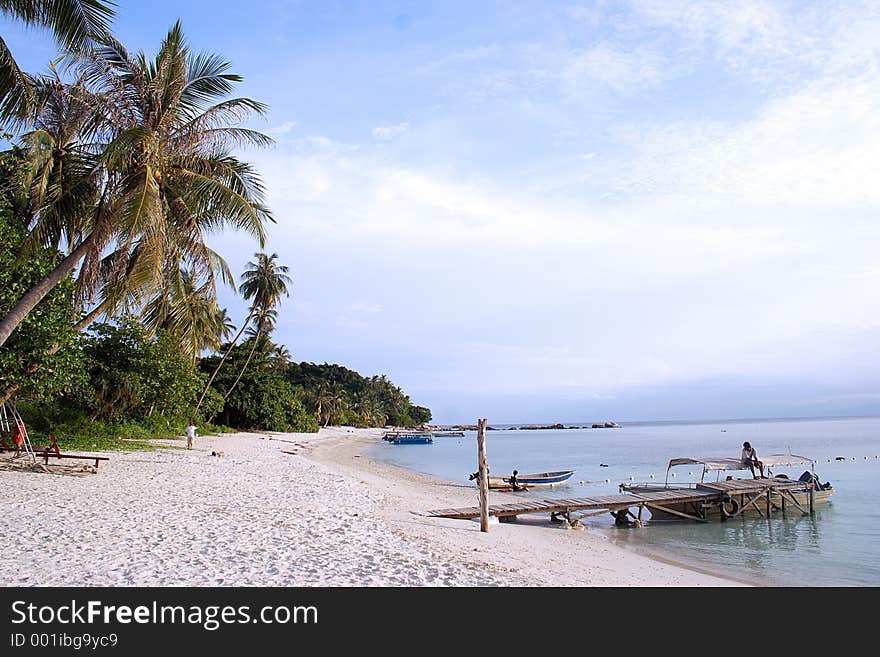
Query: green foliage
337	395
420	414
263	399
74	430
132	375
27	359
134	388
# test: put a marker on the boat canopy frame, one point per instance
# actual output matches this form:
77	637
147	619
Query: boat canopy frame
722	463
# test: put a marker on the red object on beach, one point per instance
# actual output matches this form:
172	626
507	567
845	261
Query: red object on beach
18	434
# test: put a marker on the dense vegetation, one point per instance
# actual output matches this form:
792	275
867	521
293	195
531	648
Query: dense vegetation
110	327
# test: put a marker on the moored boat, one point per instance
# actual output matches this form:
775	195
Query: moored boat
734	496
409	437
539	479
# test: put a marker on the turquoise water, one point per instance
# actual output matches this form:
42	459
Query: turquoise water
839	546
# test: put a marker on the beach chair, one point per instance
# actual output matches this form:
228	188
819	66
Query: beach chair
51	451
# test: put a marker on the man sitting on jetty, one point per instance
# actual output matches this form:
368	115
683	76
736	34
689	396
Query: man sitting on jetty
750	459
514	483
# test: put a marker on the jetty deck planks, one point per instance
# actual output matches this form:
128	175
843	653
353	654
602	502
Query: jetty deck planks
707	492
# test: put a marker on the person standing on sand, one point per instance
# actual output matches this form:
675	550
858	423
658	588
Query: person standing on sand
190	434
750	460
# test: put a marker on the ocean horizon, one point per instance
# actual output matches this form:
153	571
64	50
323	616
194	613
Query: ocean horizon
570	424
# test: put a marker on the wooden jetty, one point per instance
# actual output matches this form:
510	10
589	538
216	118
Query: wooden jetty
724	499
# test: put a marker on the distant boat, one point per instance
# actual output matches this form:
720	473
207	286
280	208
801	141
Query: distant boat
409	437
454	434
530	480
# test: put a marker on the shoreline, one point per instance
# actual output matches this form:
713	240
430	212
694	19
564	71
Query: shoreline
288	510
537	535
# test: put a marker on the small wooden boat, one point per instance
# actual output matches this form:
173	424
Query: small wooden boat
539	479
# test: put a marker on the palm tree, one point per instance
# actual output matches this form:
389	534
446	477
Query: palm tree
323	400
75	24
225	326
265	282
263	324
164	165
189	312
282	354
336	404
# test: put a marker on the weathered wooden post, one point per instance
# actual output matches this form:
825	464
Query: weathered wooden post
483	470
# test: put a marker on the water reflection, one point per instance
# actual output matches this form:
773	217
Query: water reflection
751	549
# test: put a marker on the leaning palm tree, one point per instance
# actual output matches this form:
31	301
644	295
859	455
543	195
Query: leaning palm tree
75	24
263	325
265	282
166	172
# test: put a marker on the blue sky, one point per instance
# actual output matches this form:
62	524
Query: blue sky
538	211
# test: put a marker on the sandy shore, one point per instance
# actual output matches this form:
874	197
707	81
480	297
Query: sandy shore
287	510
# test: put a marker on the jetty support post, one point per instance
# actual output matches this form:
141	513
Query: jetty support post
483	469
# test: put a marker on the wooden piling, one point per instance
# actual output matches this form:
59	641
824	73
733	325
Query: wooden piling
483	469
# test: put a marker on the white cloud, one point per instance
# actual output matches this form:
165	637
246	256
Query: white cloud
282	129
819	146
390	131
366	308
622	69
655	290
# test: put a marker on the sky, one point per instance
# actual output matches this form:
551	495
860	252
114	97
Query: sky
564	211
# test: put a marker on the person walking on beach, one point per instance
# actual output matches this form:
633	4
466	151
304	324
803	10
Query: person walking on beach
190	434
750	459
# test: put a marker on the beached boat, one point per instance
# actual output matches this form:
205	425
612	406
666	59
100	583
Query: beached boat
539	479
746	496
409	437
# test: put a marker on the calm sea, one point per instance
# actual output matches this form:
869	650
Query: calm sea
839	546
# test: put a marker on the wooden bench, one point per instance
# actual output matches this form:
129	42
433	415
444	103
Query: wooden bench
51	450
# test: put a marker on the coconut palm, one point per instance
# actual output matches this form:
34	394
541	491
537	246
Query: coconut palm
263	324
282	353
189	312
75	24
225	326
265	282
166	172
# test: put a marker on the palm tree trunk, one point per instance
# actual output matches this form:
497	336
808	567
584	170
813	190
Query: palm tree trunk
92	316
225	356
38	292
244	367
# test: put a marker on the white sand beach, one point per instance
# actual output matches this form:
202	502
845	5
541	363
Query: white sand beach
287	510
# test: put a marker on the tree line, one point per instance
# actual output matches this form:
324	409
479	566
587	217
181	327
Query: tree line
119	167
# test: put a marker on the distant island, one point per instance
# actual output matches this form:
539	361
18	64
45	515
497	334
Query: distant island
526	427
